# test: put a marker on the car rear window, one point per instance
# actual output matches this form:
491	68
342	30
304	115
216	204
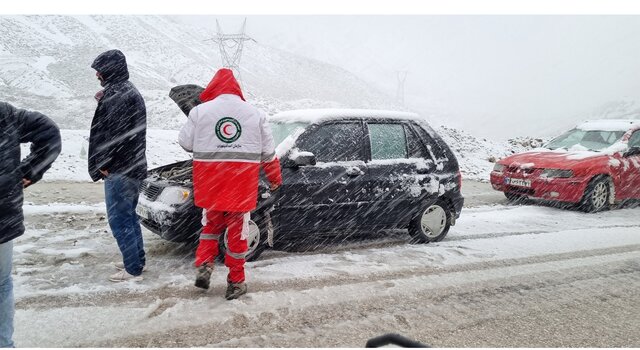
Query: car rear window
414	146
388	141
433	144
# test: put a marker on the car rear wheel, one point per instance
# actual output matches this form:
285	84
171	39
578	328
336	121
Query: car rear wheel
431	224
256	238
596	196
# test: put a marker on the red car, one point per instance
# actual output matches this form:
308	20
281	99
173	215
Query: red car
594	165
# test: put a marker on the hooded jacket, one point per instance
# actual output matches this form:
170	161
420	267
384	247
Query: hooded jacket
230	140
117	140
21	126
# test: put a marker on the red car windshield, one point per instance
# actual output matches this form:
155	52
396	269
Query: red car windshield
592	140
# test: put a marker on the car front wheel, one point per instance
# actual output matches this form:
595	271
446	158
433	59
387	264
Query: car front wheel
256	238
596	196
431	224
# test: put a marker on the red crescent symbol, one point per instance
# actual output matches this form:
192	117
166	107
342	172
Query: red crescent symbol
224	129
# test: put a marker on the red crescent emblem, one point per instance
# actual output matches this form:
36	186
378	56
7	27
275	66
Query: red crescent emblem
224	129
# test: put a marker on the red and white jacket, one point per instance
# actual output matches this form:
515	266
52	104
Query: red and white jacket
230	140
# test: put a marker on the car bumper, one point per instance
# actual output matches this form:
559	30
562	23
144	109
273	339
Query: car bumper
458	203
555	189
173	225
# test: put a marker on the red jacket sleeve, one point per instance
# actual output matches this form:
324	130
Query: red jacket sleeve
272	170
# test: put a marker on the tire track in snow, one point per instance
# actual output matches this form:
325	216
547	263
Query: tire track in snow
532	232
453	305
166	291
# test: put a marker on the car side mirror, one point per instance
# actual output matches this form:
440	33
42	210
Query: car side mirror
632	151
303	158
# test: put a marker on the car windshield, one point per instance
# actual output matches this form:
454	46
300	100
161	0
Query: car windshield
592	140
282	130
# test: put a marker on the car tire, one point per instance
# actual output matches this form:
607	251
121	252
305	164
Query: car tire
431	224
258	225
596	196
515	198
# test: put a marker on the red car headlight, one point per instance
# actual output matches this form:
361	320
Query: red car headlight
557	173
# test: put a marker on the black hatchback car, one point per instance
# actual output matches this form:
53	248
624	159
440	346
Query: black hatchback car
343	171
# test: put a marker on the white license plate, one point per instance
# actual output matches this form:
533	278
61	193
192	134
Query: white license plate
142	212
517	182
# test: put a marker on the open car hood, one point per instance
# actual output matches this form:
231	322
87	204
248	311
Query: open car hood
186	96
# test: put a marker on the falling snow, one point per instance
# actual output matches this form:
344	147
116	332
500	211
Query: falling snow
525	275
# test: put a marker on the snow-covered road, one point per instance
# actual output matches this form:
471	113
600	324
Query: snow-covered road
515	276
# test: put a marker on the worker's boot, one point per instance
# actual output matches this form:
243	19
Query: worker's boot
235	290
203	275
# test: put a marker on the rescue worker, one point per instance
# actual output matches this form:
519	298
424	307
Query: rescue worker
230	140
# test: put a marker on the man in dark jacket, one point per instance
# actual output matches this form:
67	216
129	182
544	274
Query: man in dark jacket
117	145
19	126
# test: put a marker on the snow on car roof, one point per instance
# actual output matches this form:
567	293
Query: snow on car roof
609	125
315	115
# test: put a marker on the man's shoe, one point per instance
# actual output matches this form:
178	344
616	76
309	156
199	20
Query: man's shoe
123	275
203	275
235	290
119	265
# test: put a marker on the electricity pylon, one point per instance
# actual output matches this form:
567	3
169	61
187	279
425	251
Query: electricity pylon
230	46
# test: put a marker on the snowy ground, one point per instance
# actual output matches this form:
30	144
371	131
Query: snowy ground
515	276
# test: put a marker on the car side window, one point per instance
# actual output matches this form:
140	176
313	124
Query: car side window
414	146
434	148
634	140
388	141
335	142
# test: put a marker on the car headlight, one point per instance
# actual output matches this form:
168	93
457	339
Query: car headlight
561	173
498	168
174	195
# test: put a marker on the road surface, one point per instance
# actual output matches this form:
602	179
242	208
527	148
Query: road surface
505	276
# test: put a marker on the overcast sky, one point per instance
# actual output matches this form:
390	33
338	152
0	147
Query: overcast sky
495	76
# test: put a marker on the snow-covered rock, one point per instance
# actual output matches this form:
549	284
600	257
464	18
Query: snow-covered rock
477	156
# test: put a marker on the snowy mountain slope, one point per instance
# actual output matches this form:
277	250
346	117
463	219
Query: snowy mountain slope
45	65
621	109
